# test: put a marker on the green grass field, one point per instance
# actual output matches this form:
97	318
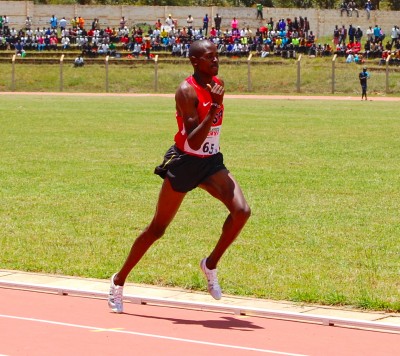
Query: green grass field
322	178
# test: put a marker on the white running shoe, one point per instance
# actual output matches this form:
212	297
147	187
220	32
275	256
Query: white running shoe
211	275
115	297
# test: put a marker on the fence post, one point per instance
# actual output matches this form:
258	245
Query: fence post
298	74
61	73
249	86
107	58
156	73
13	73
333	73
387	73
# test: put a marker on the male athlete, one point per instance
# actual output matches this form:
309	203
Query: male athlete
193	161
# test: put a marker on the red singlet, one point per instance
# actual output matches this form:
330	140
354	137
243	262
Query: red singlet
210	145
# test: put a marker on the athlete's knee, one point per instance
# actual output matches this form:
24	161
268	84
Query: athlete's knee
242	213
156	231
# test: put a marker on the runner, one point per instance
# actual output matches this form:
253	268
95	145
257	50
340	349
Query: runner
193	161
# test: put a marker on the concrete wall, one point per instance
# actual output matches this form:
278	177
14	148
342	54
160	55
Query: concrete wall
322	22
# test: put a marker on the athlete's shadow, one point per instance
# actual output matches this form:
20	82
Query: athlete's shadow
224	322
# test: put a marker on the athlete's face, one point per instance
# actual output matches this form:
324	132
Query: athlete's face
208	62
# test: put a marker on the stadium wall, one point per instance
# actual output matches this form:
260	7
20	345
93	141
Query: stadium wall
322	22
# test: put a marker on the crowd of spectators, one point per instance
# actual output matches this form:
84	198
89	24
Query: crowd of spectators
348	42
285	37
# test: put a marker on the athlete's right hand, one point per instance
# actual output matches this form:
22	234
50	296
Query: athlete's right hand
217	93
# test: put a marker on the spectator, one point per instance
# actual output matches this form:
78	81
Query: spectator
234	24
368	8
170	22
358	34
351	33
353	7
344	7
65	42
81	22
217	22
6	24
377	33
363	77
394	35
370	33
19	48
260	11
63	24
53	22
189	22
205	24
79	62
28	23
122	22
336	35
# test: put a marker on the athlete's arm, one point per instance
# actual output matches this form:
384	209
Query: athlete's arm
186	106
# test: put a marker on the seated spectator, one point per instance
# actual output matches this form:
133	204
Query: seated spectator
353	8
19	48
350	58
79	62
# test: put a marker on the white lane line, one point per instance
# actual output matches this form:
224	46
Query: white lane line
95	328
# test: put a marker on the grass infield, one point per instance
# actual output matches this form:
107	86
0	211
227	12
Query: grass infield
322	178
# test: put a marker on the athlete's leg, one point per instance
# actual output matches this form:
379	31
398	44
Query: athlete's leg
168	204
224	187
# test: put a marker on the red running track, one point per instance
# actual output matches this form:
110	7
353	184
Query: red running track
33	323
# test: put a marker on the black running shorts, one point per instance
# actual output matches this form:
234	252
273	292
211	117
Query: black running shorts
186	172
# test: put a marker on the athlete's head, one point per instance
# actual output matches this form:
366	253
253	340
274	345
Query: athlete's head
203	55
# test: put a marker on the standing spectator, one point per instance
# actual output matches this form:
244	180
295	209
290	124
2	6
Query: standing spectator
377	33
53	22
370	34
189	22
235	24
205	24
1	24
260	11
158	25
63	24
217	22
169	21
351	33
368	8
394	35
336	35
363	76
343	35
81	22
358	34
306	27
147	46
28	23
122	23
6	24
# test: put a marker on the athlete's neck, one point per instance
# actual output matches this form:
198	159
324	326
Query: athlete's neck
202	80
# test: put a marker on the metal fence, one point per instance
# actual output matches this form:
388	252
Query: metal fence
250	75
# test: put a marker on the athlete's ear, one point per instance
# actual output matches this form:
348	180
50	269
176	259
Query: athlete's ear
193	60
